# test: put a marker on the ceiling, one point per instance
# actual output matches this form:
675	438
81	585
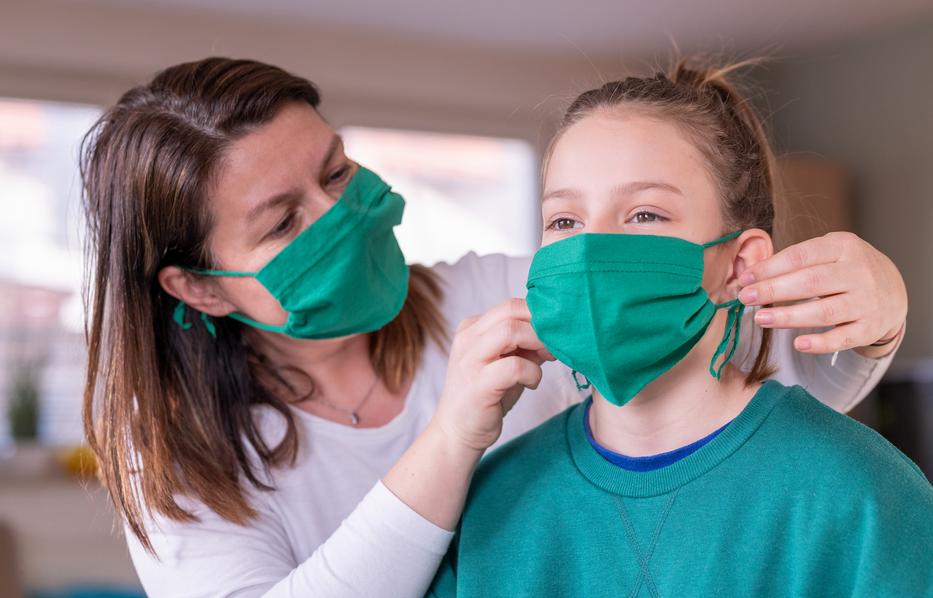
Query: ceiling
599	27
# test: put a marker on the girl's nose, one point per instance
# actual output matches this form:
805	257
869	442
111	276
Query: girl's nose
604	222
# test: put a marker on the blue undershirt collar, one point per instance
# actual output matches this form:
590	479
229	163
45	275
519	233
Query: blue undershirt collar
649	462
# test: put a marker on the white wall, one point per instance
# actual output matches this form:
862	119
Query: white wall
77	51
869	105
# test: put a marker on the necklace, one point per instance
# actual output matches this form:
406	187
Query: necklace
352	413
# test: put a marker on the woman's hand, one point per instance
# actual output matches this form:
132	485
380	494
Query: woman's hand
849	286
494	357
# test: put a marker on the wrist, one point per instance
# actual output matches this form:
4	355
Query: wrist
884	346
450	444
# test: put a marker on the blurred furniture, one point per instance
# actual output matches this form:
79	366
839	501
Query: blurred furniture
813	201
67	534
9	575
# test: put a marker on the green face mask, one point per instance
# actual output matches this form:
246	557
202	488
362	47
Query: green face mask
623	309
345	274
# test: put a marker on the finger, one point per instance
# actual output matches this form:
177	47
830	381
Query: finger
510	309
539	356
508	337
812	252
503	374
828	311
840	338
467	322
808	283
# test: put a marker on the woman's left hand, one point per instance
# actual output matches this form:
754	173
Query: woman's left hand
847	284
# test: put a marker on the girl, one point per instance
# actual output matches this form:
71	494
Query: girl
681	476
268	389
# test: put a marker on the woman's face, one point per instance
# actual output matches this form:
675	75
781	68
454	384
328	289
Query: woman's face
272	184
629	173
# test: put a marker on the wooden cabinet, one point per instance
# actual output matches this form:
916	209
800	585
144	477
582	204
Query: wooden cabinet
813	199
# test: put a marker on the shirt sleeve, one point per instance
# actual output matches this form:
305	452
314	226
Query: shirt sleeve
383	548
474	284
841	383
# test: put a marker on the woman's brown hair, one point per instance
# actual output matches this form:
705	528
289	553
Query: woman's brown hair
168	411
722	123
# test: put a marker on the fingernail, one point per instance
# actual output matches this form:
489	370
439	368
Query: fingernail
747	278
764	318
803	344
748	295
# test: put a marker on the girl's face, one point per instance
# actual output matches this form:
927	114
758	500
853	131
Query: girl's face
272	184
625	172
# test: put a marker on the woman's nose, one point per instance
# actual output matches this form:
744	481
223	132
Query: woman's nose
321	201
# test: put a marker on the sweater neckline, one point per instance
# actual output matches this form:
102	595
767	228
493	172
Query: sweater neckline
661	481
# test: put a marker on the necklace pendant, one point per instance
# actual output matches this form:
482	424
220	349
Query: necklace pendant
354	418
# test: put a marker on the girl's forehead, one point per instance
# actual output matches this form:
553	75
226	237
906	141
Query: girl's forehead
611	150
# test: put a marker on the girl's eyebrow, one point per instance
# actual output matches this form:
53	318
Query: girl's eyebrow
618	190
561	194
637	186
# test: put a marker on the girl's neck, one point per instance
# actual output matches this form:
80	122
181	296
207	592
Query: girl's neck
680	407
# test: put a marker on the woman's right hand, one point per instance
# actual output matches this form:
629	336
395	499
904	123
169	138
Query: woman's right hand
494	357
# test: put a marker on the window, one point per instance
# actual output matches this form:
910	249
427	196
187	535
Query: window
41	264
463	193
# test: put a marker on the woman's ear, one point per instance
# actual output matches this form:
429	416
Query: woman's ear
195	291
754	245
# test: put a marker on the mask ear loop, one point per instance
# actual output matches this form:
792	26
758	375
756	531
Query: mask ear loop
733	329
576	380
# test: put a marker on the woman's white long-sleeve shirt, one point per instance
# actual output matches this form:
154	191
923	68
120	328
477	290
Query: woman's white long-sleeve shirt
332	529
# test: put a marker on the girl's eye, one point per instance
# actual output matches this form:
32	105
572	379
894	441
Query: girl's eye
563	224
645	217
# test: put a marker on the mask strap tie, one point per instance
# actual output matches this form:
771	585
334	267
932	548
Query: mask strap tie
576	380
733	329
209	324
179	316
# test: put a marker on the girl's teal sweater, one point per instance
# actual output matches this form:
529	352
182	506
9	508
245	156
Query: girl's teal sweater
791	499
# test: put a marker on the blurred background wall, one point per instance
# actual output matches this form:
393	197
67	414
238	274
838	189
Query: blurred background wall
453	103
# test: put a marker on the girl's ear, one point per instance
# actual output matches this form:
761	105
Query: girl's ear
754	245
195	291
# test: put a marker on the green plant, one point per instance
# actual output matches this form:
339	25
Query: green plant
23	409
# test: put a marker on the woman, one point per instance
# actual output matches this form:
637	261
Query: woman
316	442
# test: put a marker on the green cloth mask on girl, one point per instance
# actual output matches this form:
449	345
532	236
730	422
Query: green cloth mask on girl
345	274
623	309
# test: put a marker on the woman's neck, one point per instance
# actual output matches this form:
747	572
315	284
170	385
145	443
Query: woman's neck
680	407
341	372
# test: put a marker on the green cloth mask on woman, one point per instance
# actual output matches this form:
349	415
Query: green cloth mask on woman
345	274
624	309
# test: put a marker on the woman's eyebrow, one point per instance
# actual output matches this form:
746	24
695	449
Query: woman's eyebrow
275	201
335	143
292	195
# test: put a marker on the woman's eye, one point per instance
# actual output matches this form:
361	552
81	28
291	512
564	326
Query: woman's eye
563	224
644	217
338	175
283	227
